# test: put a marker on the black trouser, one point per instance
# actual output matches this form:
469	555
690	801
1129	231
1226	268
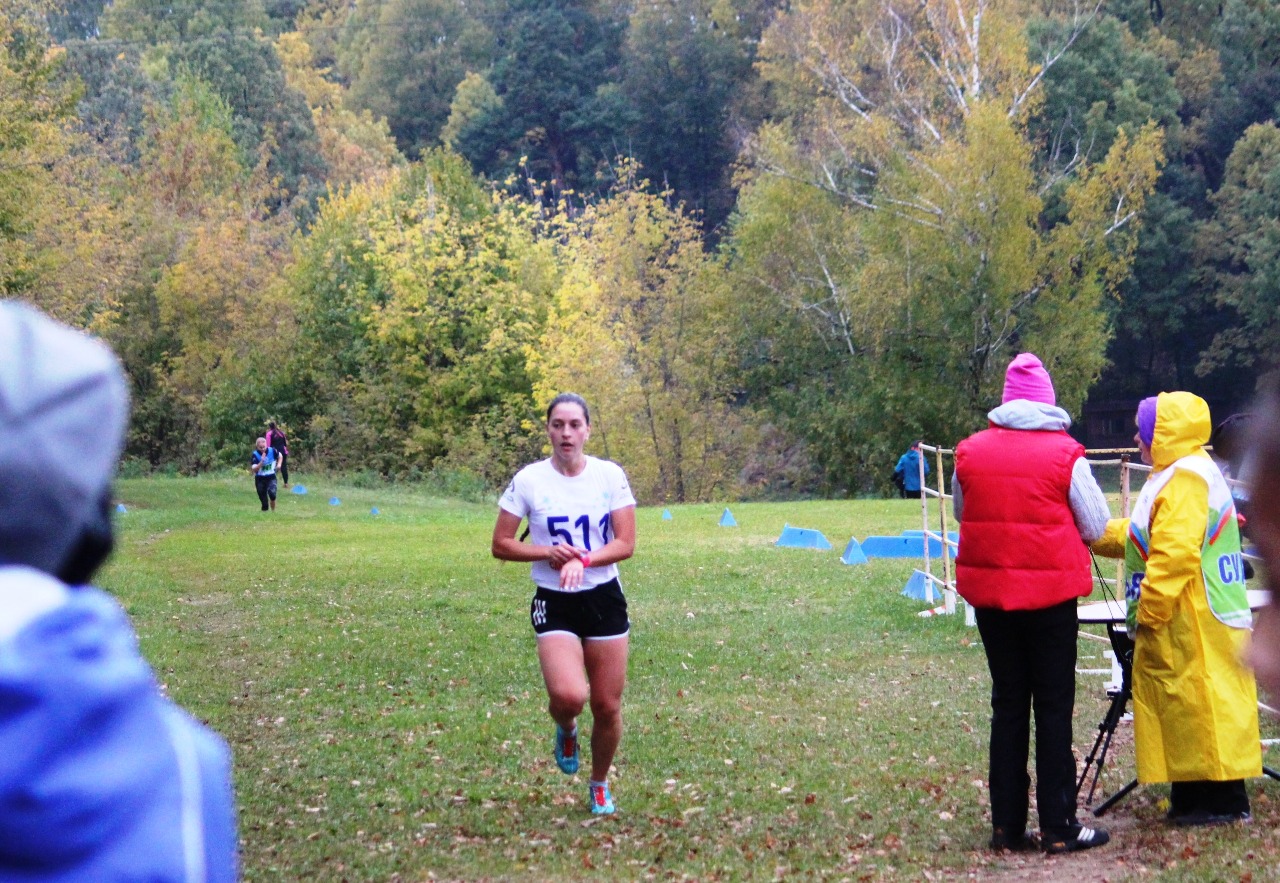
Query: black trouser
266	486
284	467
1032	657
1215	798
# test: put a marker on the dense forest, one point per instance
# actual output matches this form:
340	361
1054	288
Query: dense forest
770	241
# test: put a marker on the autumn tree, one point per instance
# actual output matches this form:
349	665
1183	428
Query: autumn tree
686	66
404	59
195	298
1111	80
74	19
1221	59
419	299
116	95
269	117
638	327
557	118
911	245
142	21
353	144
1242	248
35	107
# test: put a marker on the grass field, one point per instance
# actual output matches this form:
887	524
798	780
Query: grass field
786	715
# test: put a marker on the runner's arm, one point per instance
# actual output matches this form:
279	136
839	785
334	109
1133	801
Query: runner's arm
506	547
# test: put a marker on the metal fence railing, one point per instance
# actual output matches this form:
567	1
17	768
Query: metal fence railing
1114	468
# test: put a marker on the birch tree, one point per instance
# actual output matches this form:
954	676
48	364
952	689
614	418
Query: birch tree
918	254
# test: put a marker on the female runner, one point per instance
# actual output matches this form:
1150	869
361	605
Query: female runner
582	518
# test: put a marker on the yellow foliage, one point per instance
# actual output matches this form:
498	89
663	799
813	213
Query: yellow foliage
638	328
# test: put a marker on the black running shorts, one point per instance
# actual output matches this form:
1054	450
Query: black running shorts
598	613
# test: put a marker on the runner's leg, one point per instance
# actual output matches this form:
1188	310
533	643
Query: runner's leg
606	664
561	658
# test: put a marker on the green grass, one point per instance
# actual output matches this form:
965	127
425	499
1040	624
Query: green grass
785	715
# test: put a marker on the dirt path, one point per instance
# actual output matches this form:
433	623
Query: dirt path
1145	847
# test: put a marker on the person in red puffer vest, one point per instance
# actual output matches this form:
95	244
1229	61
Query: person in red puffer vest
1028	506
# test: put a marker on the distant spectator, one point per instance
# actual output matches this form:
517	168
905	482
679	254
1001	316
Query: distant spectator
101	777
277	439
263	462
906	475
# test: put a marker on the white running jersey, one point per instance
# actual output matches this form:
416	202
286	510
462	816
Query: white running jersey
574	510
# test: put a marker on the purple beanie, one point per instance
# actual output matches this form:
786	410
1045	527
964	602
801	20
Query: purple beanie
1028	379
1147	420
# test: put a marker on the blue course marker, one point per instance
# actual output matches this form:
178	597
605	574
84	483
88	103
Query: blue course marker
299	489
666	514
726	520
853	553
120	507
802	538
334	501
374	511
899	547
917	585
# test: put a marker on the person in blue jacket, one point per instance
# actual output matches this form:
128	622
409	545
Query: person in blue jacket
101	777
906	475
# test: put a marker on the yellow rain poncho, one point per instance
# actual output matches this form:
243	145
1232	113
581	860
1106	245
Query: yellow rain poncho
1195	705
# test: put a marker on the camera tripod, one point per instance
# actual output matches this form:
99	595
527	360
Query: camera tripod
1122	646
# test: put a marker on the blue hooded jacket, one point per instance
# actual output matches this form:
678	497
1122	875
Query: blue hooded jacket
909	466
101	777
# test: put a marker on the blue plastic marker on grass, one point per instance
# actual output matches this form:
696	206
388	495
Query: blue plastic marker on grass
120	507
334	501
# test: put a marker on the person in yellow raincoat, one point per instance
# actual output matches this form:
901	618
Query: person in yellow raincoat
1195	704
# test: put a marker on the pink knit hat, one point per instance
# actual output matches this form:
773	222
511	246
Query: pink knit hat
1028	379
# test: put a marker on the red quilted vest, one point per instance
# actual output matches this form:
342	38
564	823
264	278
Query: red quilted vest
1019	546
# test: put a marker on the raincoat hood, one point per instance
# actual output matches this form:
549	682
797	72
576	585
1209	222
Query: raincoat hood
100	777
1183	426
